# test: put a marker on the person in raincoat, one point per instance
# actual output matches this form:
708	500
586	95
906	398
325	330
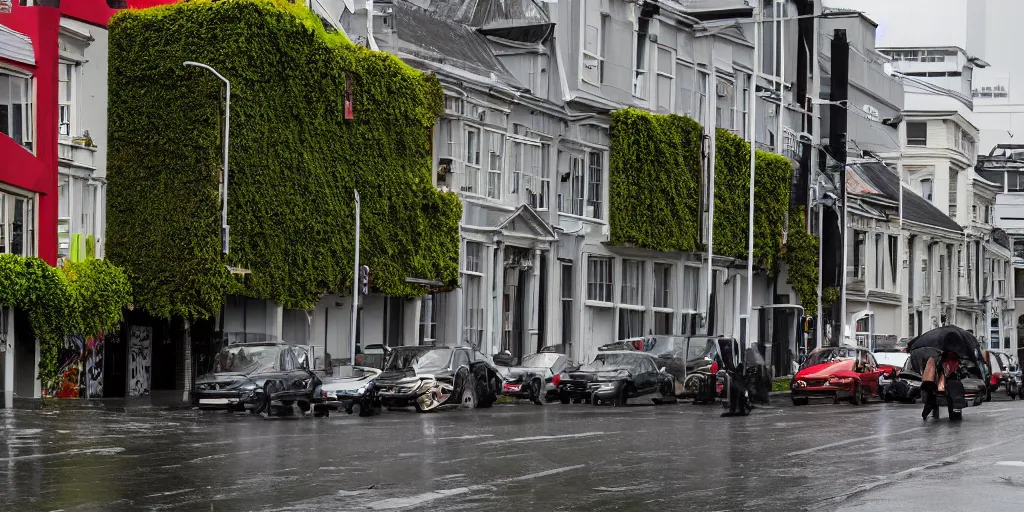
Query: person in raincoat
929	389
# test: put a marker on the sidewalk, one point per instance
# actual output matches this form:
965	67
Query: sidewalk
170	400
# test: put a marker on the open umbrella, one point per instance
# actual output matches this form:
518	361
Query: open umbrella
949	338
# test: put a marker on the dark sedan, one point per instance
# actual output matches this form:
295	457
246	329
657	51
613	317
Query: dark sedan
617	377
258	376
428	377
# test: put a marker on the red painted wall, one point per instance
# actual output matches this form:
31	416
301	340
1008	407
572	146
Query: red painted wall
18	167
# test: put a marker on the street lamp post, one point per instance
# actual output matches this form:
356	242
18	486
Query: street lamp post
224	228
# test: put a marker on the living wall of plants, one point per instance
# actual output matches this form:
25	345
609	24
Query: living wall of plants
801	257
294	159
85	298
655	168
654	192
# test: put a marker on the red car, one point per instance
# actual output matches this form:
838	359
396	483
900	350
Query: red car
837	373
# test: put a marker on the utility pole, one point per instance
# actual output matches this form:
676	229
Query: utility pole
838	96
746	338
355	289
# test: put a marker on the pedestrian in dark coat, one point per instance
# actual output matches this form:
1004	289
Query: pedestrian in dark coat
929	387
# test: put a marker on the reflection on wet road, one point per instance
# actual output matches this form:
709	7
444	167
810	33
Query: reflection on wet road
523	457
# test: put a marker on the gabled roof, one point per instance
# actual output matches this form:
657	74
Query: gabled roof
884	182
520	20
428	37
526	221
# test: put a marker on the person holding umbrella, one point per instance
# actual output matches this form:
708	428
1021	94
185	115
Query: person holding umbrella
929	389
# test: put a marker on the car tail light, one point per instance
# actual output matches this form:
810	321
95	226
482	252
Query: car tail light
714	367
720	387
556	379
995	379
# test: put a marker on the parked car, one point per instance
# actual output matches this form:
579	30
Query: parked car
428	377
617	377
536	378
836	373
1005	373
889	364
258	377
345	392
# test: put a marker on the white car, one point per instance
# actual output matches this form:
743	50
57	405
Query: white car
887	361
343	393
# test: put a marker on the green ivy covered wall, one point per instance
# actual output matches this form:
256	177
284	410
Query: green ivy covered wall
294	159
655	176
655	188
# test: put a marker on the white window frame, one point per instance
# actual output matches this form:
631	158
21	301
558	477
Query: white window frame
544	195
26	120
728	108
7	213
641	58
667	53
495	174
687	88
633	274
427	333
700	96
473	279
67	77
595	190
663	284
577	184
472	161
599	291
592	60
929	194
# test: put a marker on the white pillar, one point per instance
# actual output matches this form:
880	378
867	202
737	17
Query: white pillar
553	335
534	305
275	319
411	321
498	290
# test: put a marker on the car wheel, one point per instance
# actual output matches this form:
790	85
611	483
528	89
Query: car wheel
621	399
535	387
799	401
855	398
563	397
468	400
304	406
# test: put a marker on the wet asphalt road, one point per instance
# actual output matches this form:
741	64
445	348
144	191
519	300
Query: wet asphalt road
516	457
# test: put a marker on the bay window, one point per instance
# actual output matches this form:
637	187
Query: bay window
17	224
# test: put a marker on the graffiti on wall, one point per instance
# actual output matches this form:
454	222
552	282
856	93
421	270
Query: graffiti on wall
80	368
94	367
140	351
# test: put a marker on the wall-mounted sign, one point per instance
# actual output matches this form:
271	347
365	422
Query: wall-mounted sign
5	6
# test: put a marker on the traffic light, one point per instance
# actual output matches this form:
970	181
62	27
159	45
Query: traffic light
808	322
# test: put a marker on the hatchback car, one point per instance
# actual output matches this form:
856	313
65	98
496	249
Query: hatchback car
836	373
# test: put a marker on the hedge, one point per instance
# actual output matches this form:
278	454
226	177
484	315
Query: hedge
294	160
84	298
655	176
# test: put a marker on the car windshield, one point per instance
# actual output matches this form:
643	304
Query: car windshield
697	350
540	360
419	360
610	362
828	355
248	359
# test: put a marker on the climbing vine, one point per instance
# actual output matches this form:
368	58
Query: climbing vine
655	174
294	159
654	169
801	258
84	298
